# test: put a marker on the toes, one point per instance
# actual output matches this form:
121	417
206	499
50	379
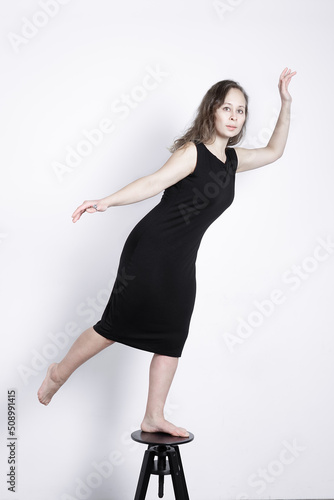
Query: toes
178	432
181	432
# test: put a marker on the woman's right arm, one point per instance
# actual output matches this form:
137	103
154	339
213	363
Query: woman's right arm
179	165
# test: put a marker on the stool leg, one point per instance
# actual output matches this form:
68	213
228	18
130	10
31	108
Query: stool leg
183	479
145	473
161	467
179	482
161	486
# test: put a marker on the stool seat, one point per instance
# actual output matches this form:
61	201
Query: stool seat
160	438
161	458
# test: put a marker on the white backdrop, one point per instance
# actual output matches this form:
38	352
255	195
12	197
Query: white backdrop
255	380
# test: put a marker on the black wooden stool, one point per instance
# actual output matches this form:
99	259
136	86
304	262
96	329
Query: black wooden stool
165	448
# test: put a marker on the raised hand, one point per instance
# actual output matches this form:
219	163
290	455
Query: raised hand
283	84
91	207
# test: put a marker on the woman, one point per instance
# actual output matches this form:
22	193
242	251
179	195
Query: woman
152	300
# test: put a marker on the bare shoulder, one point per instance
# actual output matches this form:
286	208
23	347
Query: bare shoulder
188	154
178	166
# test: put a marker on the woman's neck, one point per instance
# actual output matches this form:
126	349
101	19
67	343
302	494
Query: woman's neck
217	147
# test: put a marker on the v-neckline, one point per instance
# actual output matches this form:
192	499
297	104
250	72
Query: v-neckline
224	163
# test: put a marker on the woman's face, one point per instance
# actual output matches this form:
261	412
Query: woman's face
230	116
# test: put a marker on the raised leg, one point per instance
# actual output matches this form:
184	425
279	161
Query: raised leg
85	347
162	371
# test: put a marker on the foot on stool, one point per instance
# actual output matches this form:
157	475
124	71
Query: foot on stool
162	425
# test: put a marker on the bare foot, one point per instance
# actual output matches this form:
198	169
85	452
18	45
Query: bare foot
50	385
162	425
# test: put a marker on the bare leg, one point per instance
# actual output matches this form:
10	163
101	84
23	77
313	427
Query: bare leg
162	371
85	347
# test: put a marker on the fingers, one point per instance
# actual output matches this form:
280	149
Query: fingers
77	214
86	206
288	79
287	75
283	73
284	80
283	84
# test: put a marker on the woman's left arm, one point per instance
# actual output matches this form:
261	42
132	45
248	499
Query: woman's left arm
249	159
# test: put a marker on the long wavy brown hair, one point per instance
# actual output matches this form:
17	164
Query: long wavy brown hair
203	127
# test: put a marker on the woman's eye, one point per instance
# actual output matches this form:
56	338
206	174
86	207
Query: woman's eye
227	108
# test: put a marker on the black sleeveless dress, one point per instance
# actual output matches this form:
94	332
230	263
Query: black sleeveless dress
153	296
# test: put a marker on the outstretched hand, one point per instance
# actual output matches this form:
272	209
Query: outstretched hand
88	206
283	84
